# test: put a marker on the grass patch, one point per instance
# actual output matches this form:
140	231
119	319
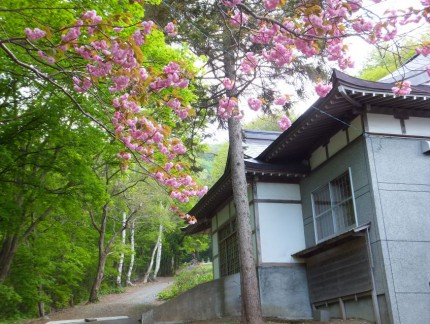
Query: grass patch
187	278
111	290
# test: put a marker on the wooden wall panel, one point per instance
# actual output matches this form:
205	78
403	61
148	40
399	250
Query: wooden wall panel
340	271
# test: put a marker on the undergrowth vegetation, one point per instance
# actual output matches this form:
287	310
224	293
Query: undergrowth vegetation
188	277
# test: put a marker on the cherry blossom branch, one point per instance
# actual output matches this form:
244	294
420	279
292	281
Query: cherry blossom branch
62	89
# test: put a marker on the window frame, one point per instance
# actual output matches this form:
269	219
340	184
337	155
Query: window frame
227	246
332	207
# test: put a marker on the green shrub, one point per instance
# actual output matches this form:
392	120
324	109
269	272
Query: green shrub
111	290
9	301
187	278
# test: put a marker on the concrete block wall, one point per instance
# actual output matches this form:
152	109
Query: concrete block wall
400	181
283	289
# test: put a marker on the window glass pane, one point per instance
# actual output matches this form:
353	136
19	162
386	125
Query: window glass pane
322	200
325	226
341	188
228	249
333	207
344	215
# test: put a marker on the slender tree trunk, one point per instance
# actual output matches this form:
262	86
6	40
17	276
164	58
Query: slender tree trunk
95	289
250	295
94	293
130	267
7	253
121	259
41	309
160	247
151	264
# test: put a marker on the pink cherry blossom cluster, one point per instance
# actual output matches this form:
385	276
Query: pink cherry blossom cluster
280	101
190	219
249	63
227	107
424	49
81	85
239	18
255	104
171	29
265	34
45	57
92	15
280	55
181	111
174	77
34	34
228	84
139	34
402	88
231	3
183	186
284	123
120	83
270	5
322	89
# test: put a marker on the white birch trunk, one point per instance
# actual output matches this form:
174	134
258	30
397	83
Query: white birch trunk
130	267
121	259
160	246
151	264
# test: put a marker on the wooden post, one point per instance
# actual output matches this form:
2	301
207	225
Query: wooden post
342	308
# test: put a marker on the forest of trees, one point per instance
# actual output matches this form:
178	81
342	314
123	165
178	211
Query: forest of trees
73	224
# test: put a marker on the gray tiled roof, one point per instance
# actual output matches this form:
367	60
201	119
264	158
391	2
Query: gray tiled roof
413	70
256	141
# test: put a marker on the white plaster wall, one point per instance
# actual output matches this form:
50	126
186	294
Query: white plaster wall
318	156
214	223
215	243
281	232
337	142
215	264
223	215
356	129
385	124
417	126
284	191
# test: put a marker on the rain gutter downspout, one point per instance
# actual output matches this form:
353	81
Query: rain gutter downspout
372	276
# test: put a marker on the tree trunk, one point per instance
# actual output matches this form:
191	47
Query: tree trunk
95	289
160	247
41	309
151	264
250	296
130	267
9	247
121	259
94	293
149	270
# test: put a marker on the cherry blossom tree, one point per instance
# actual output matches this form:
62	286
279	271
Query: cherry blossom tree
259	41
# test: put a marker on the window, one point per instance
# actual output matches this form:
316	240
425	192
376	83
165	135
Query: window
333	207
228	249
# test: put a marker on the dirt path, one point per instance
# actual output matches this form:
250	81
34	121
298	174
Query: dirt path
132	303
137	300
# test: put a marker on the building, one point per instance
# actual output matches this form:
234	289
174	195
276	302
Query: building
339	211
